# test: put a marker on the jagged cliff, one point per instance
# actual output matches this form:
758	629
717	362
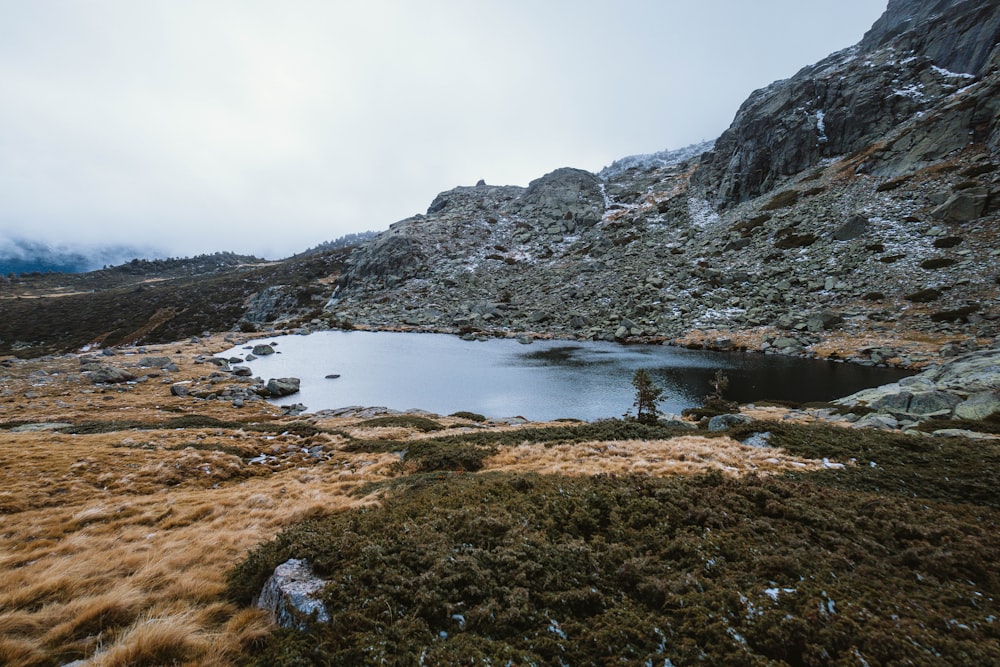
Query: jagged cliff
854	202
916	55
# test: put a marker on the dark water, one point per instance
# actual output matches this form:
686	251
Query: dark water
541	381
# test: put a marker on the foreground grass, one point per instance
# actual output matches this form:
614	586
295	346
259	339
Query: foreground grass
121	537
853	565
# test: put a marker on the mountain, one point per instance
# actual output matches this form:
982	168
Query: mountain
848	211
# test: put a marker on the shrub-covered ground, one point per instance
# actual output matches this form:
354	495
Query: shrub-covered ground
887	560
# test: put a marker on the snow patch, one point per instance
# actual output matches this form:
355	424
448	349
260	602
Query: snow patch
821	126
701	213
951	75
658	160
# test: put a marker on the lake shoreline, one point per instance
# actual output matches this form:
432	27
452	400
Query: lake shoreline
904	350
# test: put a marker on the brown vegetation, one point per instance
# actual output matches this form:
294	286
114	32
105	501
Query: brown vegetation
116	534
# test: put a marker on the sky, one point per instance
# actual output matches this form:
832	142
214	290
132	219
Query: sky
269	126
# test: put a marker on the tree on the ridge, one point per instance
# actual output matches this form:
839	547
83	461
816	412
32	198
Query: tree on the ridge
647	395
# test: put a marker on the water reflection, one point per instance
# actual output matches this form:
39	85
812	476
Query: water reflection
545	380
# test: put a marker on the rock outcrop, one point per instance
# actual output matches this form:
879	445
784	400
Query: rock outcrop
967	387
859	196
915	56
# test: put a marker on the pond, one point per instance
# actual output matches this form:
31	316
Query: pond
541	381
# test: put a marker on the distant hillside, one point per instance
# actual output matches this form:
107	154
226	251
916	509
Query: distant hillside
19	256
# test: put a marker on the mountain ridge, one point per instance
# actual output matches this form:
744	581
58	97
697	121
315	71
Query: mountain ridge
850	202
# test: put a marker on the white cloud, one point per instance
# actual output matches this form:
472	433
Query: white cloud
267	127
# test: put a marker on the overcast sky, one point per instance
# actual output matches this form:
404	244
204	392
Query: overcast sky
266	127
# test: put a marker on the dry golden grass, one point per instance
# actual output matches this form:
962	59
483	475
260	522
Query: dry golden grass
114	546
682	455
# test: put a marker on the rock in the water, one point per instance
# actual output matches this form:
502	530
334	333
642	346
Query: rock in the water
262	350
278	387
242	371
291	595
722	422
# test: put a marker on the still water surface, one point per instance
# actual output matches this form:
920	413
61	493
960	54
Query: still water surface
542	381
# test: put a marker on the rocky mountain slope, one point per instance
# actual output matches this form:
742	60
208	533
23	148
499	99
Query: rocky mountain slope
849	210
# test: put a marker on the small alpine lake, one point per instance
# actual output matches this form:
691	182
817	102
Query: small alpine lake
548	379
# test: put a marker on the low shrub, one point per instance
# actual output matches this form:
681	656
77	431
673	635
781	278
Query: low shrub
471	416
547	570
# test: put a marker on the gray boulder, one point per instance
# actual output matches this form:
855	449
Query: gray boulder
877	421
979	406
179	389
963	206
291	595
109	375
723	422
568	197
972	372
933	404
855	226
262	350
278	387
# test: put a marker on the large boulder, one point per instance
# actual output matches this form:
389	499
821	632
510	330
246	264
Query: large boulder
979	406
291	594
569	198
109	375
278	387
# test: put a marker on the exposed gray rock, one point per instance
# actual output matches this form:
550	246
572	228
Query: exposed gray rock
292	593
963	206
569	197
270	304
179	389
723	422
932	403
979	406
262	350
109	375
155	362
973	372
242	371
40	427
855	226
278	387
877	421
758	440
